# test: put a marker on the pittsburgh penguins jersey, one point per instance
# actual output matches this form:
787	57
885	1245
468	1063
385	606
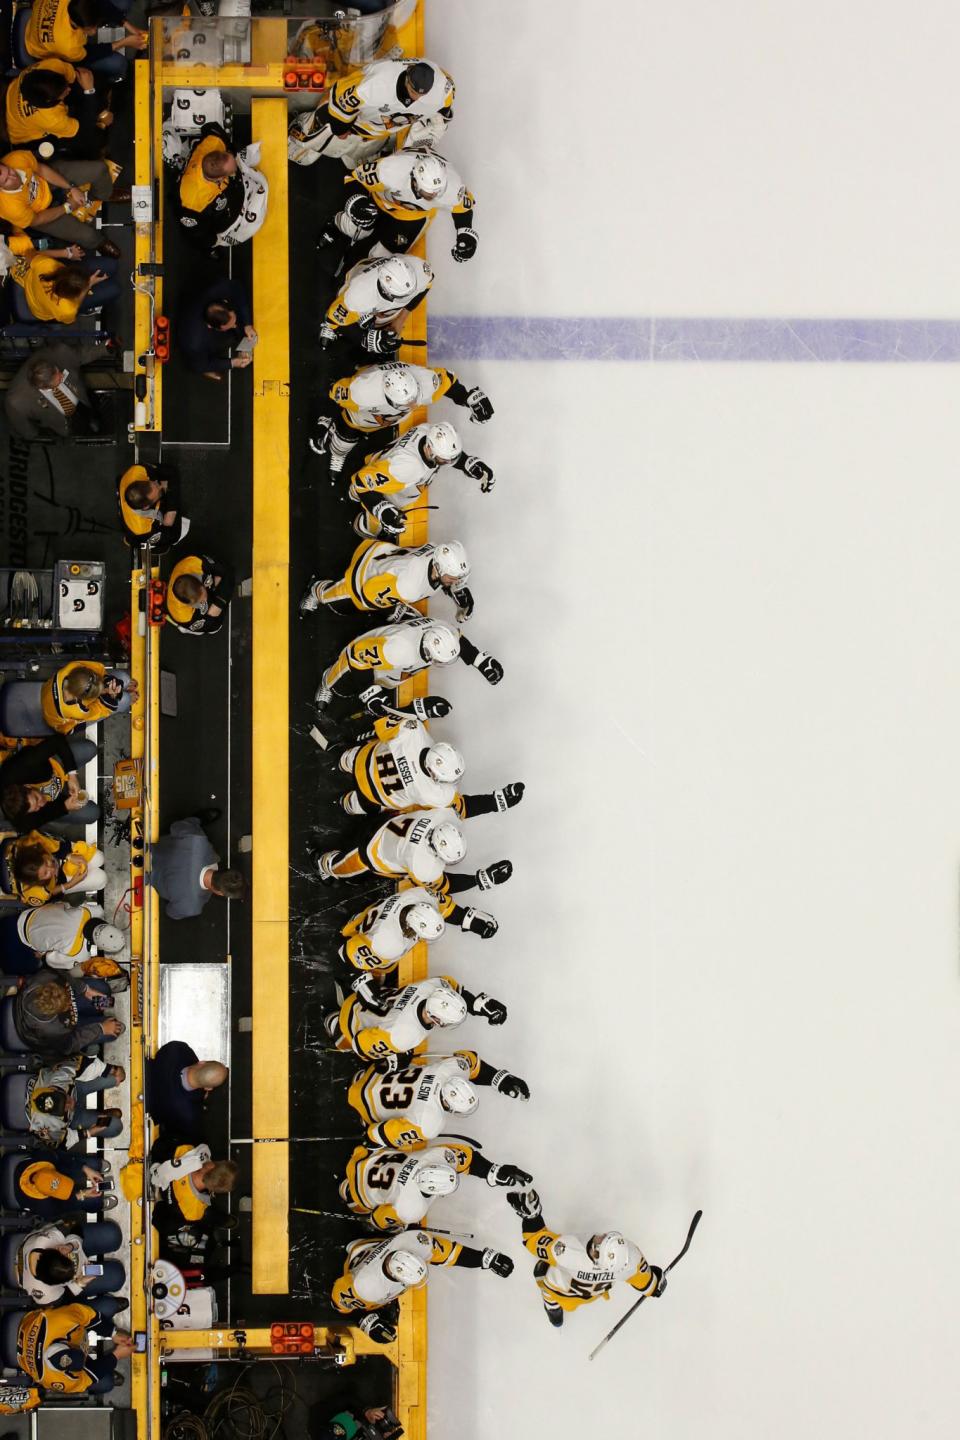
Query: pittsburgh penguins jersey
386	655
363	399
369	100
381	573
361	303
383	1184
401	471
365	1285
389	182
572	1272
401	1029
388	771
401	847
405	1108
375	939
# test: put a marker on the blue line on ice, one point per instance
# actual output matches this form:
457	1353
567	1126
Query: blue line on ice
661	340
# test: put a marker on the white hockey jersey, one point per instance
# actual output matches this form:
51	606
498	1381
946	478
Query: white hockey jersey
370	101
572	1272
390	183
364	401
401	1029
401	471
405	1108
401	846
388	771
375	940
383	572
384	1183
360	302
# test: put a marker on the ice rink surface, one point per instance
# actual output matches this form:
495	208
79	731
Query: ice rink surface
726	600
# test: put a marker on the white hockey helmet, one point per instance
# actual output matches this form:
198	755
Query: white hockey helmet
395	278
445	1006
406	1267
428	175
458	1096
609	1251
443	763
437	1180
447	842
424	920
451	559
438	644
443	442
399	385
108	939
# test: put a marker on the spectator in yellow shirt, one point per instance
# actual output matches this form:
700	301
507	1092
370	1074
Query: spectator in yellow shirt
67	29
27	200
56	101
59	293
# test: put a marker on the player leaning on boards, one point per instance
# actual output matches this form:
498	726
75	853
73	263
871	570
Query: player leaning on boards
571	1272
393	480
376	940
378	1272
389	1025
382	574
374	302
403	1107
394	1188
374	104
366	408
374	664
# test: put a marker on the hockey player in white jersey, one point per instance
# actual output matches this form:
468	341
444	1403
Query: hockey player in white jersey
373	303
375	102
405	1107
571	1272
389	1025
382	574
393	480
377	1272
400	767
366	407
376	940
389	204
417	846
374	664
395	1188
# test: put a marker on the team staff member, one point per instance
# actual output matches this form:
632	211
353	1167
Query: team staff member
150	505
177	1086
198	593
214	194
53	100
66	29
39	785
211	325
27	201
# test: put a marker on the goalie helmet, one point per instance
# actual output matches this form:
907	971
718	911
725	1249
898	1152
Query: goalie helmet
439	645
458	1097
424	920
443	763
399	386
428	176
609	1251
407	1268
447	842
445	1006
451	559
437	1180
443	442
395	278
108	939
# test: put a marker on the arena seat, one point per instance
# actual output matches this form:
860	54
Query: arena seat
10	1041
20	711
19	53
13	1102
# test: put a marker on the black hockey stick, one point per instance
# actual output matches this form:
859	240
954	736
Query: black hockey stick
676	1259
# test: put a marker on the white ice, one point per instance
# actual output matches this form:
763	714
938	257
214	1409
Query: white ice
726	600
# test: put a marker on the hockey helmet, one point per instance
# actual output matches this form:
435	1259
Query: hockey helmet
108	939
438	644
428	175
458	1096
451	560
443	763
447	842
424	920
437	1180
609	1251
443	442
446	1006
395	278
399	385
407	1268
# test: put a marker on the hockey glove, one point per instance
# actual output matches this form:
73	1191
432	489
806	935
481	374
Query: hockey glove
466	244
465	603
478	922
510	795
381	342
478	469
496	1261
392	520
490	669
493	1011
526	1203
320	442
357	217
496	874
480	406
378	1329
375	700
327	336
661	1282
431	707
388	1064
365	988
508	1175
510	1085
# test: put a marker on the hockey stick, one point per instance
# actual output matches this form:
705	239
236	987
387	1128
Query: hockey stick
623	1320
297	1139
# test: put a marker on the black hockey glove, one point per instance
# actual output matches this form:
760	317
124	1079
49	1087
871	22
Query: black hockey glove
510	1085
378	1329
319	442
496	1261
490	669
478	469
465	602
360	216
493	1011
480	406
364	986
478	922
496	874
526	1203
392	520
466	244
327	336
431	707
375	700
510	795
381	342
390	1064
510	1175
661	1284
